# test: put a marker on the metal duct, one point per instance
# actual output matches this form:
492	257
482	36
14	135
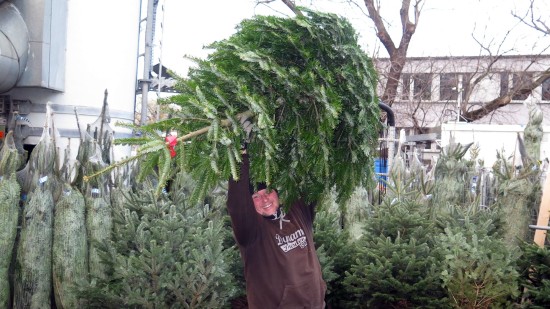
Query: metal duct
14	45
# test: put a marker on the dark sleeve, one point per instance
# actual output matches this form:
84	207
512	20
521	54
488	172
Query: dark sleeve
307	210
244	218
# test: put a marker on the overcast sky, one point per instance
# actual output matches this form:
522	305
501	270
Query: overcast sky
445	28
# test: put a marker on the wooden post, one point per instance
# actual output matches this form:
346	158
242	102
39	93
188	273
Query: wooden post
544	212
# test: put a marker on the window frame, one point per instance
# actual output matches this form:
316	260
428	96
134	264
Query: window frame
520	77
448	86
422	86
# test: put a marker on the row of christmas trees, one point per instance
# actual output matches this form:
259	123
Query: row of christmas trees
51	223
113	242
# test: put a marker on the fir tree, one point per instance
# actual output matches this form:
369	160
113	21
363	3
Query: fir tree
478	270
515	199
164	255
10	160
518	184
453	176
335	250
310	92
395	266
534	269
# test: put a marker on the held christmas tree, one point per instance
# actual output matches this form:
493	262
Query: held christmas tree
308	89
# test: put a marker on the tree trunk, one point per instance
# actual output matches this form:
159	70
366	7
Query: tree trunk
504	100
398	55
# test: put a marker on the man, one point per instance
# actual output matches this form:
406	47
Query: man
281	267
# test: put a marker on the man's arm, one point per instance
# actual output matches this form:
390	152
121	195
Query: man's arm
240	206
308	210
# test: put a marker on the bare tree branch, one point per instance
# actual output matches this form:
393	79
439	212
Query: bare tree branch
397	54
504	100
470	112
530	20
292	7
289	3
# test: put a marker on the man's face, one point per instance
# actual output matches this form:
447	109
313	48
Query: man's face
266	202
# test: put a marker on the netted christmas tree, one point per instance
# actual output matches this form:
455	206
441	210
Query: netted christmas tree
33	268
518	188
97	200
453	176
94	153
70	241
10	160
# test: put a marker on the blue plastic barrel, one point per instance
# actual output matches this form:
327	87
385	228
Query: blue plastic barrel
381	170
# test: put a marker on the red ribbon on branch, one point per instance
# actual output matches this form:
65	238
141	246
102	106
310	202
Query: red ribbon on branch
172	141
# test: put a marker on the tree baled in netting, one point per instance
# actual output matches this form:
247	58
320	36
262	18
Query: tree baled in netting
33	267
10	160
309	91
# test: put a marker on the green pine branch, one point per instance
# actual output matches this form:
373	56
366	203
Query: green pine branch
312	92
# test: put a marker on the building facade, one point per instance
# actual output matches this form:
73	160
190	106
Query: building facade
431	89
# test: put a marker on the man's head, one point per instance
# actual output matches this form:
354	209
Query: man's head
266	201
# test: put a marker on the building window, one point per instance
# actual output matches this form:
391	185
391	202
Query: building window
466	79
406	87
448	87
504	87
546	89
522	80
422	86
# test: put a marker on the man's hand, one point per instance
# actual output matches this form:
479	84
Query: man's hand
247	128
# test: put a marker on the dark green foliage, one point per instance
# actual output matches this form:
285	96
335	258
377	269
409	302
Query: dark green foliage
163	255
396	266
335	251
310	92
534	270
453	178
478	269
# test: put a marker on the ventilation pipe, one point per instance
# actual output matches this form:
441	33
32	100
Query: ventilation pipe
391	133
14	45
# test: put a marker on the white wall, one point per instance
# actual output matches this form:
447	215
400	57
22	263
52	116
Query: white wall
490	139
101	53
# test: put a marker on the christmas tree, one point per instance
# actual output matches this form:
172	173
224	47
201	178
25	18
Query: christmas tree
395	265
164	253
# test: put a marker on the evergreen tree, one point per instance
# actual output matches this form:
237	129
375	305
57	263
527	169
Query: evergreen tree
164	255
515	199
335	250
518	184
10	160
453	176
478	270
534	269
33	267
396	266
310	92
70	243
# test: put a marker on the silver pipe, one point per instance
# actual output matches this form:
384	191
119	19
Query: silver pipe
147	59
14	46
